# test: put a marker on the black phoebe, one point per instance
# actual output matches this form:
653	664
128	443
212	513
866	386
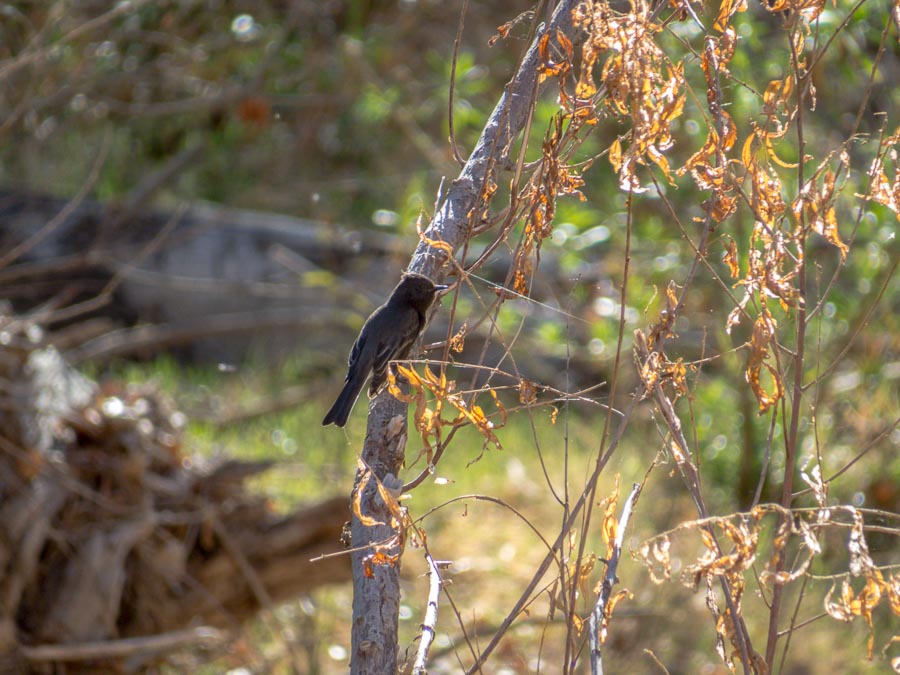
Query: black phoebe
387	335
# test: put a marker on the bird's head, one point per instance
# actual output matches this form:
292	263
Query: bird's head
416	290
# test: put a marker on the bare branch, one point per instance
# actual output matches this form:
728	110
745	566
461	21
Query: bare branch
126	647
376	588
609	580
428	625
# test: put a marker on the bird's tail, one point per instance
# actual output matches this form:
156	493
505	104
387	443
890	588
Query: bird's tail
342	407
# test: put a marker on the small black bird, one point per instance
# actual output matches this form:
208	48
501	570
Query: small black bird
387	335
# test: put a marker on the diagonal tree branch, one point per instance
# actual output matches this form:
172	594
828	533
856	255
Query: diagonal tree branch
376	589
609	580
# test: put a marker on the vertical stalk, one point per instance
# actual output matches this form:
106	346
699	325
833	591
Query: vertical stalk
790	442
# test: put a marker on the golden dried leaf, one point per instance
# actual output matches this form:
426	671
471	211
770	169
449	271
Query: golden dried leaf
578	623
763	334
586	568
501	409
614	600
730	129
723	205
671	299
523	262
565	43
893	593
677	453
427	423
399	517
727	45
650	374
608	611
734	317
434	243
655	555
458	341
544	54
727	10
527	392
394	388
476	417
707	176
382	558
862	604
610	525
435	381
777	92
748	151
708	541
818	207
365	476
838	610
660	160
765	197
677	373
548	67
641	84
731	257
585	88
770	148
502	32
883	190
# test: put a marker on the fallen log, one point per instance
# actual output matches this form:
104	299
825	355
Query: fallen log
115	544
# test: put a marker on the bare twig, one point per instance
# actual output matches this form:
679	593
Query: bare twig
125	647
609	580
153	337
374	639
428	625
14	64
560	541
258	588
143	192
791	439
450	99
691	478
16	251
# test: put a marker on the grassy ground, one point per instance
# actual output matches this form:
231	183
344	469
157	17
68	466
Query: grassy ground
494	552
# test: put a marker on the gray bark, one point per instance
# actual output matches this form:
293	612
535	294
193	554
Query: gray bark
377	597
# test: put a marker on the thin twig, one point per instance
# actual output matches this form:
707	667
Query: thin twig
450	99
10	66
373	639
560	541
428	625
257	588
691	478
792	436
125	647
609	580
656	660
22	248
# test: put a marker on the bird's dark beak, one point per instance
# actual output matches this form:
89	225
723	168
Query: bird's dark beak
441	287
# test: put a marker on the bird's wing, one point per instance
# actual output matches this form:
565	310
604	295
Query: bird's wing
387	350
355	351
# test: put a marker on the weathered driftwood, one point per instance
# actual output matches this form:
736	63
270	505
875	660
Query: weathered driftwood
207	278
211	280
113	543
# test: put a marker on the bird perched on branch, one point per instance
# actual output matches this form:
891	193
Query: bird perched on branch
387	335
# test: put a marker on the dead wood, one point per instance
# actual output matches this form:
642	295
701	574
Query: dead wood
116	544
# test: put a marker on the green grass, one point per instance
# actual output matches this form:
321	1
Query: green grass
493	550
